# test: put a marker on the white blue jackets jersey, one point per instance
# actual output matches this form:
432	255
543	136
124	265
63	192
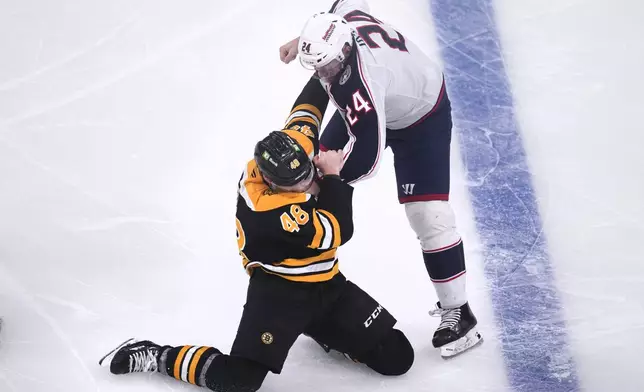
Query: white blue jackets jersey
389	84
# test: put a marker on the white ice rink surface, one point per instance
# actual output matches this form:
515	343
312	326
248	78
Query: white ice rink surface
124	126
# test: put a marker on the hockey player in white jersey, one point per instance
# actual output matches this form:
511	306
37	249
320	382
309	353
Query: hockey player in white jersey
390	94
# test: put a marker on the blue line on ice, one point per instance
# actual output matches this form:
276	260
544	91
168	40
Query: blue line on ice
517	265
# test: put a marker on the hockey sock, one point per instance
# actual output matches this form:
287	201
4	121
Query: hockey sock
187	363
446	268
208	367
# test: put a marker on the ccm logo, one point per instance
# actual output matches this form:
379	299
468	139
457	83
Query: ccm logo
373	316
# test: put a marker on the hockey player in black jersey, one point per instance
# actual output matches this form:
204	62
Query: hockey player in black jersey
289	226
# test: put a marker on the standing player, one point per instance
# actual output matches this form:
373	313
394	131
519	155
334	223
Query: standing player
388	93
288	230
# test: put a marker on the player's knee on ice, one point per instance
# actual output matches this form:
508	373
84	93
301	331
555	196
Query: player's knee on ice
235	374
393	356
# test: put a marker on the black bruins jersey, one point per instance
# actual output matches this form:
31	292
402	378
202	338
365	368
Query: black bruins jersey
295	235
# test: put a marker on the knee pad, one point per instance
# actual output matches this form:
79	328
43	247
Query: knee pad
434	223
393	356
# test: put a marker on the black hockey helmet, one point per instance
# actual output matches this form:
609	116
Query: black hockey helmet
282	160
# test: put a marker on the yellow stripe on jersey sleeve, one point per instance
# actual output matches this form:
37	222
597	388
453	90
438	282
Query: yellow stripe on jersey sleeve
310	108
337	236
299	119
319	231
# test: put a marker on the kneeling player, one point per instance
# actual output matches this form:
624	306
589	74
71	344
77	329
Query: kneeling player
289	226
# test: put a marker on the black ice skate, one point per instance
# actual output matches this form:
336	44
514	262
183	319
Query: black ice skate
457	331
132	356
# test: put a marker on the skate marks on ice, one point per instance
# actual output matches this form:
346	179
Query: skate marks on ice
12	288
517	266
147	59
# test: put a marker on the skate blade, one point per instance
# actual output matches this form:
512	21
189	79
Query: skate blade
107	359
461	345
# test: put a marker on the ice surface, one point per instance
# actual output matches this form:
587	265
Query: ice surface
124	126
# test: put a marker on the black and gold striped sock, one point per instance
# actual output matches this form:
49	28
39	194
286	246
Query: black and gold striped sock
187	363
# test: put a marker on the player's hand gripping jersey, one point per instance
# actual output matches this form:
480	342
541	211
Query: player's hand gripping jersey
295	235
388	84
